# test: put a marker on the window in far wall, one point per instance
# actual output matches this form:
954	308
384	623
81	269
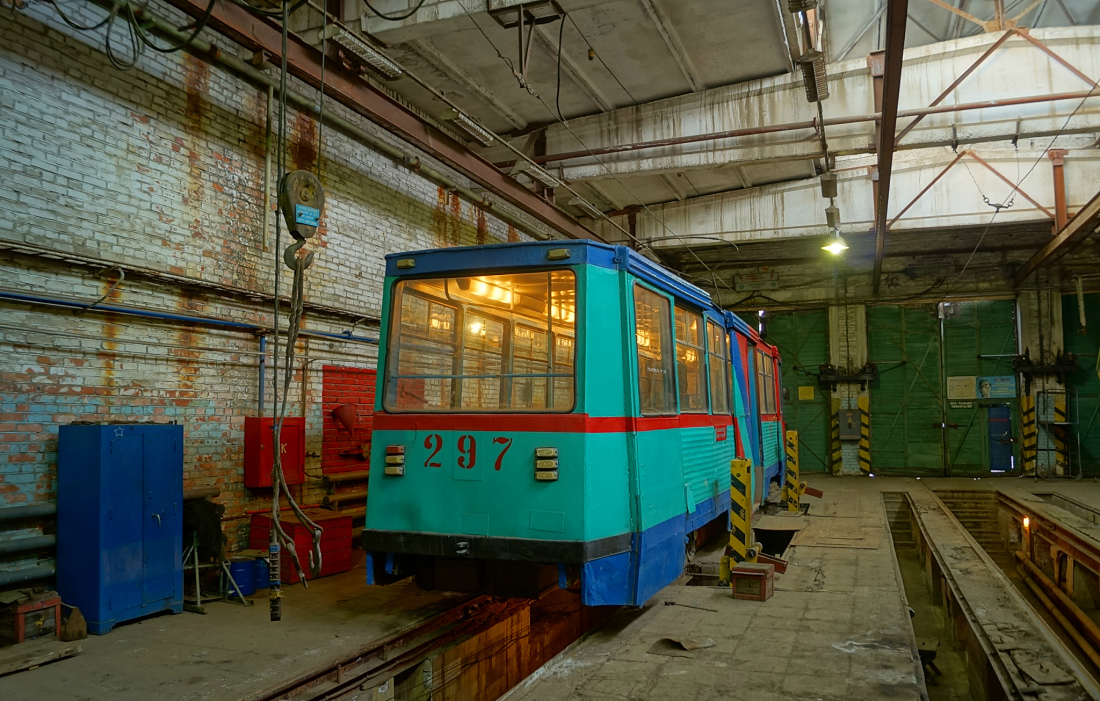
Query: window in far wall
690	374
653	333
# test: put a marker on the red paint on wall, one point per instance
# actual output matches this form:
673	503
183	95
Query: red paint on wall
344	385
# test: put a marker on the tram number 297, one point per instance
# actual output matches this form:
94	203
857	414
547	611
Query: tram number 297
466	448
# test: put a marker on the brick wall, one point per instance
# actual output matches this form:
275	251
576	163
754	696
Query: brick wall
159	170
346	385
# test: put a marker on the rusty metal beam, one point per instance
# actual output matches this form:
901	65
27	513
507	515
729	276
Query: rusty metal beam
1061	211
896	17
1076	229
344	86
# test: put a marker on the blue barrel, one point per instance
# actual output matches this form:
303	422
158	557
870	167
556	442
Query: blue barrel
244	575
260	573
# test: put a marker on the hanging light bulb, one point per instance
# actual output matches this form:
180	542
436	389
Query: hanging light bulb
836	245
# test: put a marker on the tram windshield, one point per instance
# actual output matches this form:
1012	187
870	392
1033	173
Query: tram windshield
483	343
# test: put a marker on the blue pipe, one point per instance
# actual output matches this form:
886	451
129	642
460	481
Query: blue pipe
263	375
209	321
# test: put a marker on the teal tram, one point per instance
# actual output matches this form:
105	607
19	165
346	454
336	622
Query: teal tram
558	414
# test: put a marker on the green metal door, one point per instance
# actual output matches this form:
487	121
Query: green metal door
1084	381
803	341
906	401
979	341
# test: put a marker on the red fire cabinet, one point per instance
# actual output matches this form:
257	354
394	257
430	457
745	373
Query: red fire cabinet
259	456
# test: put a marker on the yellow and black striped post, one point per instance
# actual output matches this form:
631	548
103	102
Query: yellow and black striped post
864	404
1058	433
792	492
836	454
741	547
1029	433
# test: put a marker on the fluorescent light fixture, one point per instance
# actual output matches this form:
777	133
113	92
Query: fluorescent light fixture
371	57
586	207
469	127
835	246
537	173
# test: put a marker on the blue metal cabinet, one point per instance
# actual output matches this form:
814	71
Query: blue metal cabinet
120	521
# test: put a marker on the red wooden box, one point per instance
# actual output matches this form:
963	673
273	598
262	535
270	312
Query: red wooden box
335	541
259	456
35	615
753	581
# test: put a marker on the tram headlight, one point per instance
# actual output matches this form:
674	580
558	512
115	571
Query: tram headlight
546	464
395	460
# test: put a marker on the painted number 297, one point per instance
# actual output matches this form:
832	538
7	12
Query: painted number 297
467	450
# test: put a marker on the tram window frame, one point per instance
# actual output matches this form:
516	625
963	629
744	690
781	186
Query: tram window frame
683	372
437	290
667	350
765	375
722	371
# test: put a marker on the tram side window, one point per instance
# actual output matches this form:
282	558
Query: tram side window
656	382
484	343
690	375
719	369
765	382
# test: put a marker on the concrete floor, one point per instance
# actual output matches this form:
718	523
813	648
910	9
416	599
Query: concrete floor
837	627
232	652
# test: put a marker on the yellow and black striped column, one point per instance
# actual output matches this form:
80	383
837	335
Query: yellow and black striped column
740	511
1058	433
1029	434
792	494
864	404
836	454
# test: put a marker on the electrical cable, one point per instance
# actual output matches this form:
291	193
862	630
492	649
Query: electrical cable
1019	182
600	59
557	91
140	31
321	99
396	18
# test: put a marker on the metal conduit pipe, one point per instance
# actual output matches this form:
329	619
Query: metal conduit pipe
167	316
13	513
243	69
1067	626
23	545
1068	605
30	574
808	124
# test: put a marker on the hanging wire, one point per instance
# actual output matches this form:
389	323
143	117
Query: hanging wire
394	18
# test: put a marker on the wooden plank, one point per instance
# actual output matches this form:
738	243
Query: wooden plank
29	655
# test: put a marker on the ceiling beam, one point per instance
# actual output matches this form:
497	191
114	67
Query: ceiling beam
426	50
574	72
347	88
1077	229
787	30
670	181
664	26
896	17
860	34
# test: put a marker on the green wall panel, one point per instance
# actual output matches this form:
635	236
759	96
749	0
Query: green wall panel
906	410
803	341
1085	381
979	339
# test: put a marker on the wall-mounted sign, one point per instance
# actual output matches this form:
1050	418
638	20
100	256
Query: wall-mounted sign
996	386
749	282
805	393
962	387
962	405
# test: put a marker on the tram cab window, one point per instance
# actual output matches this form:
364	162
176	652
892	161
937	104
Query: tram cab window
690	366
765	382
718	353
656	379
483	343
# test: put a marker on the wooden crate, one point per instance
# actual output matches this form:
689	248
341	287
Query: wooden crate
35	615
753	581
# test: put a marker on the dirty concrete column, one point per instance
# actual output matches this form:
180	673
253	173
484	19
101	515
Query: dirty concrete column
848	352
1039	319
